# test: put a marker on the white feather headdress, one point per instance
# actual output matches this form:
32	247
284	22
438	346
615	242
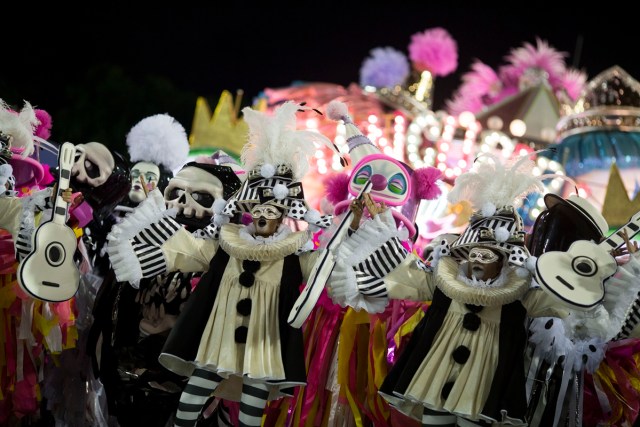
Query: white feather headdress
275	140
19	125
492	182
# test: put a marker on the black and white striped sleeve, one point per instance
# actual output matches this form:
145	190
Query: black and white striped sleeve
147	246
134	244
363	260
622	300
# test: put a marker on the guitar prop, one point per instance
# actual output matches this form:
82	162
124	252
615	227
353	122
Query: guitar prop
49	272
577	276
321	271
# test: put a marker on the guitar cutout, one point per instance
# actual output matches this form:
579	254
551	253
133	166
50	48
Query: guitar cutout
321	270
49	272
577	276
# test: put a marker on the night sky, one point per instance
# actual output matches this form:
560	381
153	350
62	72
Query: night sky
201	51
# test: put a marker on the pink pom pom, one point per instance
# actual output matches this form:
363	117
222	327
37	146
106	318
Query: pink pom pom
337	110
43	130
425	183
337	187
434	50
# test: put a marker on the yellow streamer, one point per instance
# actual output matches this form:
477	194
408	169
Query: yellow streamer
408	326
348	331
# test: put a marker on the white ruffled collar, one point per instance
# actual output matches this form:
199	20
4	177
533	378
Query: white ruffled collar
447	279
247	233
236	240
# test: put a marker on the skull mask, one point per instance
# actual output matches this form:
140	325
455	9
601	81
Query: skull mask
101	175
94	164
193	190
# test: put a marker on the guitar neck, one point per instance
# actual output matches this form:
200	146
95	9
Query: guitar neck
615	240
66	158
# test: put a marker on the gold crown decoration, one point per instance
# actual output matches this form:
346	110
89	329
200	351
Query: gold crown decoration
617	207
221	130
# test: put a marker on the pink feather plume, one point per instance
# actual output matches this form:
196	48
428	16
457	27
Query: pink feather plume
337	187
425	183
434	50
43	130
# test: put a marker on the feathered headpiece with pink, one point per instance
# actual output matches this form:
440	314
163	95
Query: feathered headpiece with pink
526	66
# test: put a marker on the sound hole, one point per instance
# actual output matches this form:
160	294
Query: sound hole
55	254
584	266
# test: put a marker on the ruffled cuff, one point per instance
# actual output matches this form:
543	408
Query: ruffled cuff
345	291
622	298
363	260
134	245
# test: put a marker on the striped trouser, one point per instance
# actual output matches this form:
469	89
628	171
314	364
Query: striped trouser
197	391
431	418
252	404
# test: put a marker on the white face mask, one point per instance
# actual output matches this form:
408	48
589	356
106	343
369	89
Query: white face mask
151	175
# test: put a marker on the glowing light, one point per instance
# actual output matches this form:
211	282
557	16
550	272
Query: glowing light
373	118
582	192
322	169
312	123
388	151
444	146
494	123
466	118
442	166
462	163
319	154
535	212
399	120
412	148
457	171
382	142
322	162
434	131
448	173
523	151
442	157
517	128
340	139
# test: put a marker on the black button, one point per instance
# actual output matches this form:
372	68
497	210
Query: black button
471	322
251	266
474	308
241	334
549	324
461	354
246	279
244	307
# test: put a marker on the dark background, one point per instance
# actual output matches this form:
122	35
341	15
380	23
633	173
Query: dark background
100	69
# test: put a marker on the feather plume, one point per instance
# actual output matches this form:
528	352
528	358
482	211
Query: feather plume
497	183
336	187
275	140
19	125
43	130
425	183
159	139
434	50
